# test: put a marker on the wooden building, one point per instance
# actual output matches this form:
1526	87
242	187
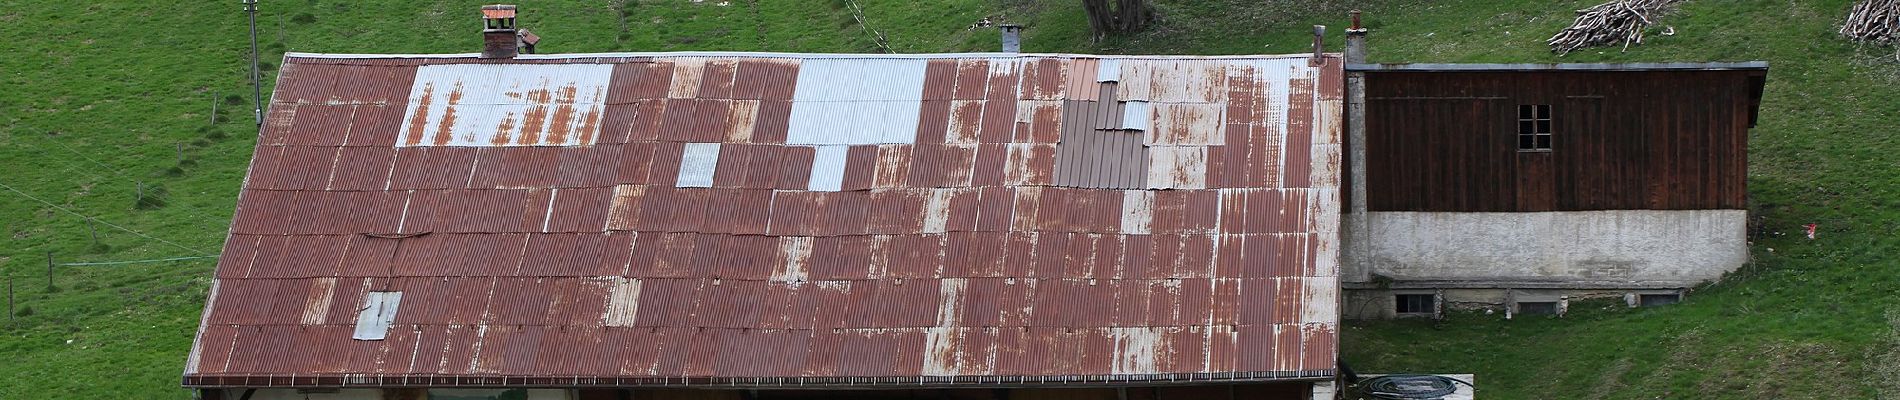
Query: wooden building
1520	186
1567	137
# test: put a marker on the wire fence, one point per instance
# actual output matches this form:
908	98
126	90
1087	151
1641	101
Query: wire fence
155	260
3	185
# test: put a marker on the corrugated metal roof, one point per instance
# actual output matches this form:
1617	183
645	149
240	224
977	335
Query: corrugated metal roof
1427	67
777	219
498	11
501	105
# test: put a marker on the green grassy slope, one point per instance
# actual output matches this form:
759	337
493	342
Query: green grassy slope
100	97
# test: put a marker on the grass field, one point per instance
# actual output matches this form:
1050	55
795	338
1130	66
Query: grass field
105	100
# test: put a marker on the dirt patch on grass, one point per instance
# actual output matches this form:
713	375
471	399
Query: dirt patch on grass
1780	370
1884	366
1765	369
1611	380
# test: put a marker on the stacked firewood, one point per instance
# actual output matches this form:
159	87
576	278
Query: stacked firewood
1618	21
1874	21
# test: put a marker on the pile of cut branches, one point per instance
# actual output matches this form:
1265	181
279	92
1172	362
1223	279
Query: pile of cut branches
1874	21
1618	21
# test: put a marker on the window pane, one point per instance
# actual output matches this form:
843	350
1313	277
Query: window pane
1526	127
1413	303
1524	112
1543	126
1543	142
1543	111
1524	142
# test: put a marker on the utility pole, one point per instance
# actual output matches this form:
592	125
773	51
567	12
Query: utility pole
257	88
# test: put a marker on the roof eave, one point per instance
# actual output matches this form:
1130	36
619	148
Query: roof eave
562	56
1484	67
886	382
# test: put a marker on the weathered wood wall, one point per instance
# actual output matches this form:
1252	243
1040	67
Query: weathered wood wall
1671	140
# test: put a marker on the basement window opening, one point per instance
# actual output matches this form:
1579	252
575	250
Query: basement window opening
1652	300
1537	307
1414	304
1533	127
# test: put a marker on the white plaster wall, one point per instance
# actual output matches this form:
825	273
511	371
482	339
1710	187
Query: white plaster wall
1649	246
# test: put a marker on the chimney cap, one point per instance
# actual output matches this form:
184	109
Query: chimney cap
498	11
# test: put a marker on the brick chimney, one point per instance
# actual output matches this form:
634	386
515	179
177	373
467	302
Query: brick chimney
499	39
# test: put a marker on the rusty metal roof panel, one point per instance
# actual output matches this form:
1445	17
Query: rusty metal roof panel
765	79
298	257
506	105
432	168
984	218
362	168
497	11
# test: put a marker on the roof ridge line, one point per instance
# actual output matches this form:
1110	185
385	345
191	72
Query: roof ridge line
564	56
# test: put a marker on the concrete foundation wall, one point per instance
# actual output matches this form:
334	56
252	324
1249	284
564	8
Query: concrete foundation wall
1382	303
1576	249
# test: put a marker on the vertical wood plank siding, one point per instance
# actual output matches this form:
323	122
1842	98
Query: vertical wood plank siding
1664	140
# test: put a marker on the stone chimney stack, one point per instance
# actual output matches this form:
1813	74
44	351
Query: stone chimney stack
499	39
1356	41
1012	38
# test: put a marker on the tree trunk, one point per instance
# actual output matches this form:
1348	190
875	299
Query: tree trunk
1109	17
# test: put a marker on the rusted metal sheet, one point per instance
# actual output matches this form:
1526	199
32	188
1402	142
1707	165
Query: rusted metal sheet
1187	124
432	168
850	220
506	105
361	168
1173	81
498	11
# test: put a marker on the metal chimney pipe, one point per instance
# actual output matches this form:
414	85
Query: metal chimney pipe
1012	38
1319	40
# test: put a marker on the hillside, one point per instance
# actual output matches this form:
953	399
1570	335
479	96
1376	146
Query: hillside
108	100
